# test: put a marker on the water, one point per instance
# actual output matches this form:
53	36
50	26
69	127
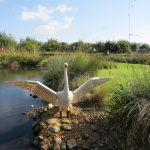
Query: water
16	128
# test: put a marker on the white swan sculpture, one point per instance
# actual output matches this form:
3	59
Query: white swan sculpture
63	98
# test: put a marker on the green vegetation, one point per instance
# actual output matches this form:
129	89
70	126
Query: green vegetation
7	41
129	98
81	68
13	59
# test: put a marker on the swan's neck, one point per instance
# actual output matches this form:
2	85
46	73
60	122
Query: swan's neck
66	87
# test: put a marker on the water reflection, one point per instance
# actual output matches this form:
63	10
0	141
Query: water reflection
16	128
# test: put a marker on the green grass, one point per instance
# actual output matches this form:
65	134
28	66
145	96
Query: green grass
129	98
11	58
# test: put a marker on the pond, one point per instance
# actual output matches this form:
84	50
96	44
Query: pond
16	128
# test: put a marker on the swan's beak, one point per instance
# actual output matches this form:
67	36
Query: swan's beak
65	65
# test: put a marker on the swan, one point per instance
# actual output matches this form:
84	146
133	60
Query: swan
63	98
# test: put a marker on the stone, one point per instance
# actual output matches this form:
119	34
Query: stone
82	126
51	114
45	110
76	113
51	121
41	143
85	147
96	148
49	106
35	124
86	120
85	136
56	146
57	140
31	106
63	146
40	138
65	121
54	129
34	96
42	126
44	147
36	130
93	128
71	144
76	122
35	116
122	145
66	127
35	143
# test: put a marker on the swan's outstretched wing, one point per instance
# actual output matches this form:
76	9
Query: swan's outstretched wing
36	88
87	87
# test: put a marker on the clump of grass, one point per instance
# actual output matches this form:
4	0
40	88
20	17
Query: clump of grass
25	58
81	65
130	102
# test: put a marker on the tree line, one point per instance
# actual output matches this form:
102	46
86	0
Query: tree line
29	44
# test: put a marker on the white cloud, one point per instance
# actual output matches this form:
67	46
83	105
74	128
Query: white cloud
62	8
43	13
68	21
50	28
54	26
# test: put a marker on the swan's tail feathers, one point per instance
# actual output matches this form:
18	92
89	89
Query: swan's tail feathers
36	88
87	87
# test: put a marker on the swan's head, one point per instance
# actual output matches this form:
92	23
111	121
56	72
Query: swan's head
65	65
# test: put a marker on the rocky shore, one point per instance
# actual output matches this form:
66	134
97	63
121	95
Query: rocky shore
83	130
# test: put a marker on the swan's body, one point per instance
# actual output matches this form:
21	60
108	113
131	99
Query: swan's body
63	98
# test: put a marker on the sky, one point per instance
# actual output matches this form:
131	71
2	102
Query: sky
73	20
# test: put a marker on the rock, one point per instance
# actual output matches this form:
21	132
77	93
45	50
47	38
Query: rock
85	147
41	143
85	136
51	114
35	116
66	127
54	129
31	106
86	120
36	130
80	139
34	96
76	122
36	124
56	146
94	128
122	145
44	147
63	146
65	121
57	140
51	121
49	106
35	143
45	110
71	144
40	138
96	148
82	126
96	145
42	126
76	113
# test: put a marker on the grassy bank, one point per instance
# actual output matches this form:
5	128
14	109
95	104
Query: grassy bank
129	99
134	59
13	59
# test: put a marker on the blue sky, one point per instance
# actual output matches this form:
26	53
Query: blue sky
73	20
